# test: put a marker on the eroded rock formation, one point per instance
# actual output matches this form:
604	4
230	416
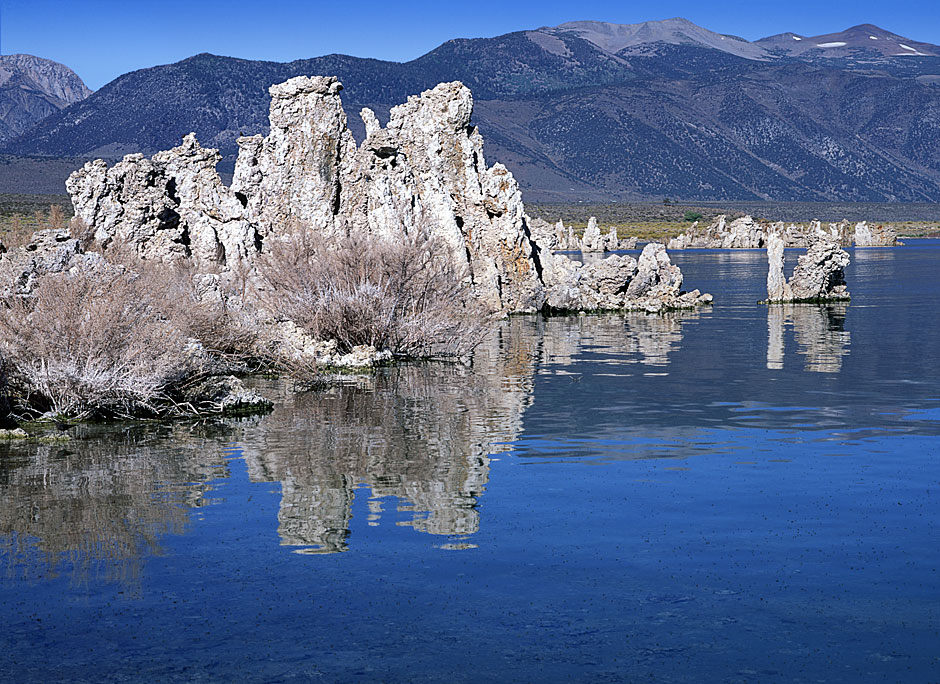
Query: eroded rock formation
747	233
48	252
874	236
422	173
651	283
819	274
563	239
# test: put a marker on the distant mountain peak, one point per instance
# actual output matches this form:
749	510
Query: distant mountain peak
861	39
32	88
52	78
616	38
584	110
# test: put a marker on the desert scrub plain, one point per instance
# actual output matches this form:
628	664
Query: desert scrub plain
22	215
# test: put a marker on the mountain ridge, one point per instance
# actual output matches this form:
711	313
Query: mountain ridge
671	112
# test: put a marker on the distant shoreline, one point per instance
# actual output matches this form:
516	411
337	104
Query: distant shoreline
658	220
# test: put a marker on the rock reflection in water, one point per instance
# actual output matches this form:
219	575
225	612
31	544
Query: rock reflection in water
418	433
819	330
644	338
95	505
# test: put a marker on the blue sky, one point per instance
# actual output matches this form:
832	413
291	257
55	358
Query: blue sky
101	40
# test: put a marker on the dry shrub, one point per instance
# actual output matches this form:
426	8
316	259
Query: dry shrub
55	219
4	401
403	294
16	233
82	232
205	308
92	344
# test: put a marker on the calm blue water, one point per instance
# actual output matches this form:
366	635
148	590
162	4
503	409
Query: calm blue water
740	494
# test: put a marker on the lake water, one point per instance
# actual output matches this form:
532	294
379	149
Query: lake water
737	494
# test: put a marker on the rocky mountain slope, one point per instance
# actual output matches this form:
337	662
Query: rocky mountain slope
593	111
32	88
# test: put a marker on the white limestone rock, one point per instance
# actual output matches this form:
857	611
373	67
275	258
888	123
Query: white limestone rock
422	174
292	346
877	236
47	252
293	177
131	204
592	240
778	290
627	243
819	274
620	282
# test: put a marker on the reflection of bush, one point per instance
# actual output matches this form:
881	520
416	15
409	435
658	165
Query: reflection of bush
99	504
419	434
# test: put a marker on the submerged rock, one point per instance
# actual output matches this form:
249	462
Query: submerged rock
819	274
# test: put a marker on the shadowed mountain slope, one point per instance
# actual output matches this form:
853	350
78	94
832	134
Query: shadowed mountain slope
593	111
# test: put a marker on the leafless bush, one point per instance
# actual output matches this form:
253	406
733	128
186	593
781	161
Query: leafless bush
205	308
55	219
92	343
403	294
16	233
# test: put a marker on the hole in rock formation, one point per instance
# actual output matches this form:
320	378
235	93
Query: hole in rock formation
171	191
169	219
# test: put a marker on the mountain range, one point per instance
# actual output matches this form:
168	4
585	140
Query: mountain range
590	110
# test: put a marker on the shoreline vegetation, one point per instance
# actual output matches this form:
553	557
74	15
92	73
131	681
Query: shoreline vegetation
125	338
167	285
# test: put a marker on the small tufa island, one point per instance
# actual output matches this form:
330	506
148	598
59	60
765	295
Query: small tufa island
819	275
321	254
